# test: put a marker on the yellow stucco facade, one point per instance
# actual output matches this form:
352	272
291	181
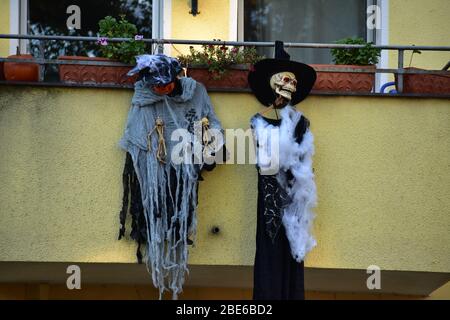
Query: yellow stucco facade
418	22
211	23
4	26
381	167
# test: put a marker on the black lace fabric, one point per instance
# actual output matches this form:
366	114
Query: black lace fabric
132	203
274	200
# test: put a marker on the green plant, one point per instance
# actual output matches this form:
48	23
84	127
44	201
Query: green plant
126	51
218	58
361	57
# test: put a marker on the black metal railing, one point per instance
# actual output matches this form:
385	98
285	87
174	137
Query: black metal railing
399	72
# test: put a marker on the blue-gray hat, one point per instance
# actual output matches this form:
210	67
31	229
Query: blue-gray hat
156	69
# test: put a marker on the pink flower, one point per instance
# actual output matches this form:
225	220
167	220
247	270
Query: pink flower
102	41
138	37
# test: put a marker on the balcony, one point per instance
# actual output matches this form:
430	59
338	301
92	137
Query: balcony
382	171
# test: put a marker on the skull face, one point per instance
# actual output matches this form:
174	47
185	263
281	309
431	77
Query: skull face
284	84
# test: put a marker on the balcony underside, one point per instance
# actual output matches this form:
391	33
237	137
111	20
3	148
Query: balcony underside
316	279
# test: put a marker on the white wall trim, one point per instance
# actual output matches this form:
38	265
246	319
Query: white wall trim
383	39
233	24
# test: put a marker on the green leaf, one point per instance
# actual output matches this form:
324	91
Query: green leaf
363	56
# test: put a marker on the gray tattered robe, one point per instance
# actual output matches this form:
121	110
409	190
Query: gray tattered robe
170	216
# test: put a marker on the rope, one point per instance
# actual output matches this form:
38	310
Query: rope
162	150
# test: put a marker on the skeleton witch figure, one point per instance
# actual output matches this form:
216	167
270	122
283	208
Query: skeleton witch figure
286	187
171	134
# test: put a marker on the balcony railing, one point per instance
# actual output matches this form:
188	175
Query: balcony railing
400	71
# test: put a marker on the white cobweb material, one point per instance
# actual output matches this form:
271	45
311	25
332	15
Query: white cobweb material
298	216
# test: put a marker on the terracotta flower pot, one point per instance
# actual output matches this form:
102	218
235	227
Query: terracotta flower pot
425	83
235	77
18	71
344	81
78	73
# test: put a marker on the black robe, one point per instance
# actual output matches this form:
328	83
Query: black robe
277	276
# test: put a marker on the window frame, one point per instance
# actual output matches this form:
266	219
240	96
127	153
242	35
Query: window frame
19	15
378	37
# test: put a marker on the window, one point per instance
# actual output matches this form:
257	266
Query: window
49	17
318	21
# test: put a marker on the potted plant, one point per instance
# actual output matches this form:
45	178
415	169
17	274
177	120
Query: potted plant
219	66
125	52
20	71
364	58
424	83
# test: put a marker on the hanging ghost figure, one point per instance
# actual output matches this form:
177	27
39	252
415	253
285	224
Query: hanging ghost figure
160	184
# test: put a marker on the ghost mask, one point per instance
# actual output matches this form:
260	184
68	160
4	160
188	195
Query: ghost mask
284	84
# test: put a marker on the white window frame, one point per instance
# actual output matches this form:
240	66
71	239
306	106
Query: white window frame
166	25
240	20
161	12
234	18
382	38
18	16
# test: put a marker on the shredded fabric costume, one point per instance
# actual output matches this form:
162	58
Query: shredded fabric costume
166	218
285	201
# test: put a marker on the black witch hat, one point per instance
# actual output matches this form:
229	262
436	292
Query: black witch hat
259	77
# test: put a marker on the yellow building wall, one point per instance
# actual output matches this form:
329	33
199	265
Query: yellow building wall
418	22
381	164
211	23
4	27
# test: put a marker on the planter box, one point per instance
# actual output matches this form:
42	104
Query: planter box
76	73
18	71
344	81
234	78
425	83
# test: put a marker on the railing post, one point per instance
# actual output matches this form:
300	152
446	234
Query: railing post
401	57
